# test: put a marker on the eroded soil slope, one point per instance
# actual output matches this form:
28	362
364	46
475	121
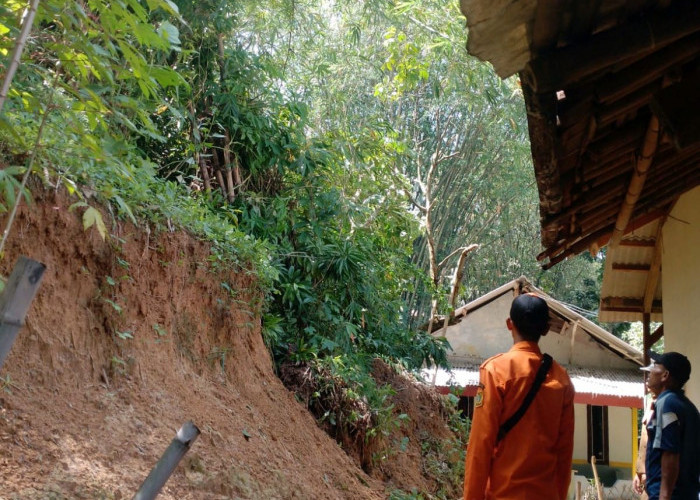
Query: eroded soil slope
125	341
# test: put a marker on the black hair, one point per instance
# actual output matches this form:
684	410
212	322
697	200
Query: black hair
530	315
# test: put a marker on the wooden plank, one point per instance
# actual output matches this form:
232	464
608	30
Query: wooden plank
570	64
618	139
656	336
628	304
643	73
632	102
590	197
598	210
619	266
582	19
646	321
678	108
545	27
581	242
20	289
543	133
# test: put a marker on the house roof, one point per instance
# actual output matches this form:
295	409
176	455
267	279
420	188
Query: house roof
603	387
613	110
633	275
560	316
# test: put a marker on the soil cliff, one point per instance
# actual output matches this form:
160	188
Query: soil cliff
129	338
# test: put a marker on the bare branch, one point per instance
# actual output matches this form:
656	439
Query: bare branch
465	250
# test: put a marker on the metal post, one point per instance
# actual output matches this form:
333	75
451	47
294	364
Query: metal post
167	463
16	299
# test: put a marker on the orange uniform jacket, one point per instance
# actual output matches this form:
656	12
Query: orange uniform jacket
533	461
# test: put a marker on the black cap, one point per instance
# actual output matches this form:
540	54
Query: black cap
675	362
530	314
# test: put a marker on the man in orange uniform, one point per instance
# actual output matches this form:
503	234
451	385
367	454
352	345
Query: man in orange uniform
533	460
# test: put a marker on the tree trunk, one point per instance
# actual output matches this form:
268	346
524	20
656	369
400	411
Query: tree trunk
17	51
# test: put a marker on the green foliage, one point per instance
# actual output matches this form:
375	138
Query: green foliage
347	402
293	137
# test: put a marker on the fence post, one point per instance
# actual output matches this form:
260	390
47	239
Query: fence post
167	463
20	290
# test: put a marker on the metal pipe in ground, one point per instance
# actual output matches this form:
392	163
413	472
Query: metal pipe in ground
20	289
166	465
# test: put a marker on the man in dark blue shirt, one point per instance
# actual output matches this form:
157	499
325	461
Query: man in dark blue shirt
673	449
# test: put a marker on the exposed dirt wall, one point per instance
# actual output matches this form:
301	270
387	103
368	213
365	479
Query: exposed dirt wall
125	341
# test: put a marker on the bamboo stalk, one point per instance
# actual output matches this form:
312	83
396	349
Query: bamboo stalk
204	173
217	172
17	50
30	165
634	191
229	186
598	486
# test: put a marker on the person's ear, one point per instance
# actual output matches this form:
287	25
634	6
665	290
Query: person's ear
509	324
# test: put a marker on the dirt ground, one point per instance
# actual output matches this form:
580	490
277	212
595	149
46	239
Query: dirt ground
129	338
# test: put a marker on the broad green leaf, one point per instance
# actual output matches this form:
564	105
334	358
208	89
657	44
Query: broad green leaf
91	217
170	33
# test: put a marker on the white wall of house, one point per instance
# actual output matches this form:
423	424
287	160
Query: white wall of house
620	435
681	284
483	333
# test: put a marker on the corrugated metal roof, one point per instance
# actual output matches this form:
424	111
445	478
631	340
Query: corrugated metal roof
625	284
595	381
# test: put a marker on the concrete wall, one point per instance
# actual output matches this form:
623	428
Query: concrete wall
681	284
483	333
620	436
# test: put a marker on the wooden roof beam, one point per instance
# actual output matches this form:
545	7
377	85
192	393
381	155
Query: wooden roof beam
545	27
543	132
561	68
651	141
648	70
599	203
617	266
678	107
599	236
628	304
656	336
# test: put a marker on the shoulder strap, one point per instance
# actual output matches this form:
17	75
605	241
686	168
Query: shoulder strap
515	418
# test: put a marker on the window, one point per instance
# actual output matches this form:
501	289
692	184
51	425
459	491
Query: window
598	433
466	407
